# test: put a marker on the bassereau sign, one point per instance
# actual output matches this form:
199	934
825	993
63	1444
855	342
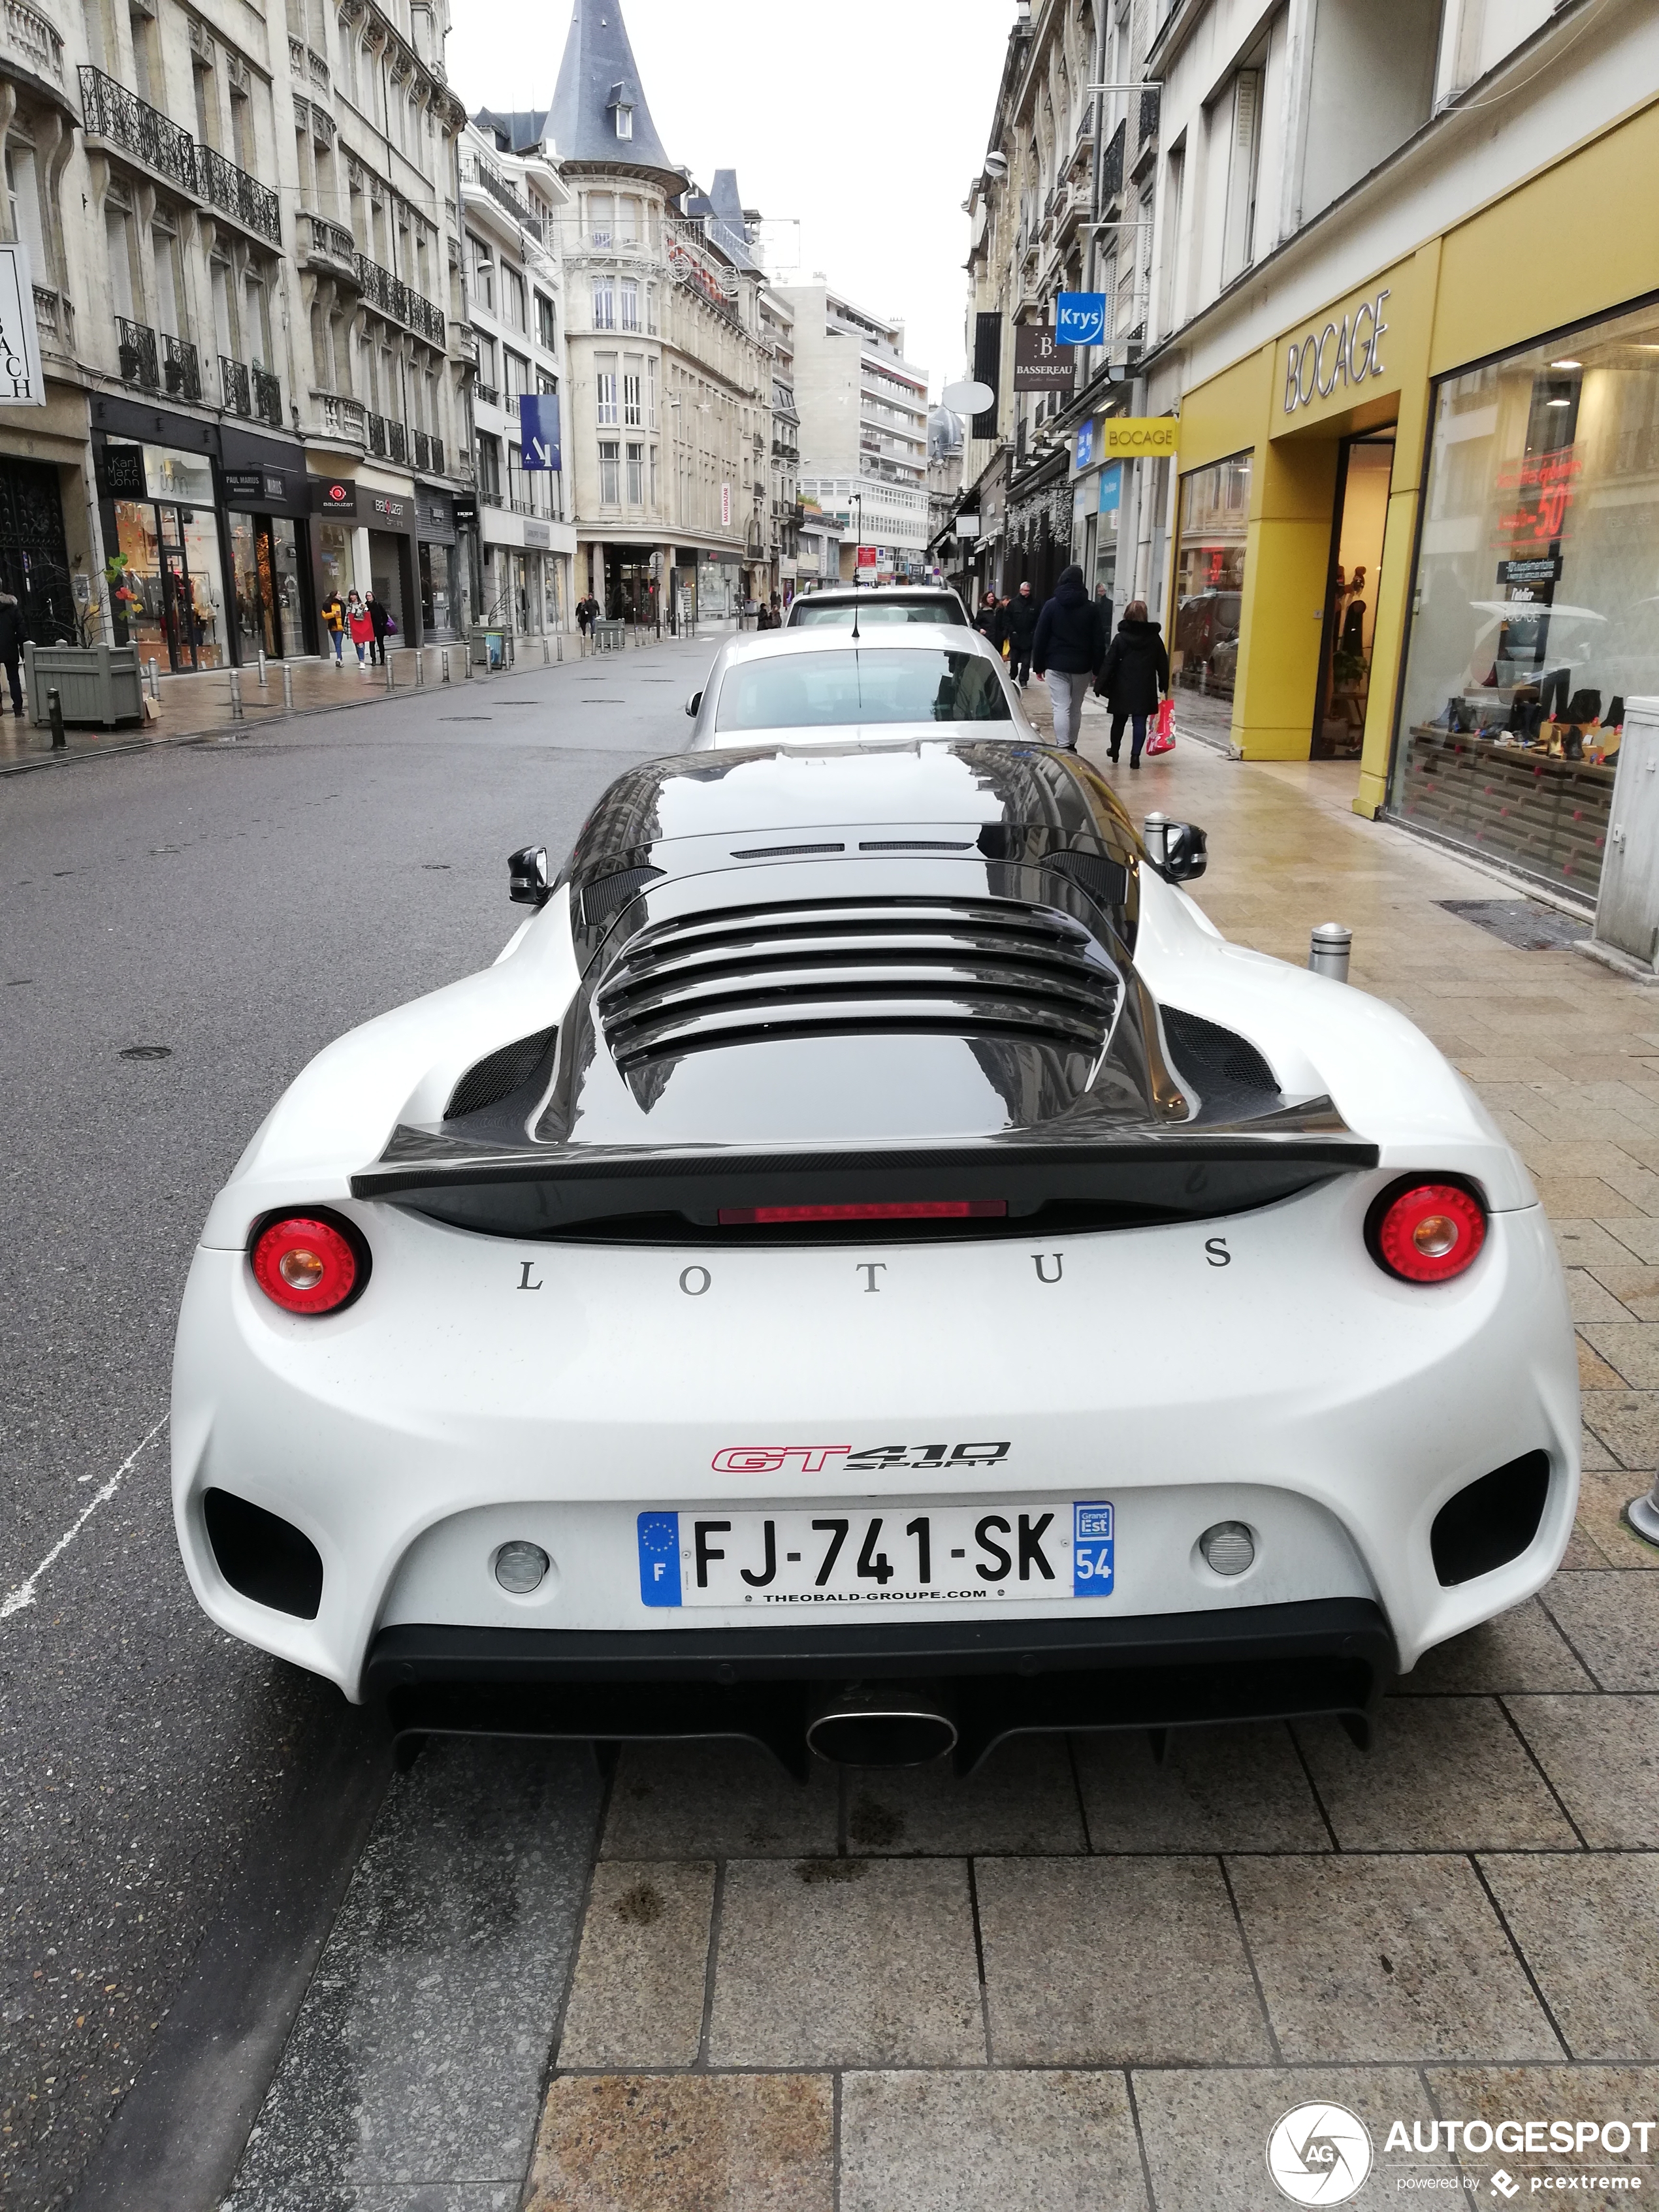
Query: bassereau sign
1349	354
21	384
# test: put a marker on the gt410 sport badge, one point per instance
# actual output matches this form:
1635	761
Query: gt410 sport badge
1319	2153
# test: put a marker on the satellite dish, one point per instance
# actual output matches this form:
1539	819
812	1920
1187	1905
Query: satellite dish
968	398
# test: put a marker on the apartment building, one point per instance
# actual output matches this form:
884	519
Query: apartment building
247	286
863	409
778	330
1402	299
513	207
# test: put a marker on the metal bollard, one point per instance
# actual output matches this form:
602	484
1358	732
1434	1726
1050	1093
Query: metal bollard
55	714
386	663
559	644
1328	952
262	680
420	666
443	666
1643	1515
236	714
155	683
287	688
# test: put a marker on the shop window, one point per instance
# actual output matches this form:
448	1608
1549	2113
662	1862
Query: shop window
1534	607
1215	507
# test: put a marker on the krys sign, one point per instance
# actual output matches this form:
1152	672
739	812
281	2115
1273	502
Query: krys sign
1336	355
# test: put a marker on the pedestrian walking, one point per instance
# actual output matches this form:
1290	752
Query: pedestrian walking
988	621
1066	651
1133	677
11	647
1020	622
358	621
380	621
334	623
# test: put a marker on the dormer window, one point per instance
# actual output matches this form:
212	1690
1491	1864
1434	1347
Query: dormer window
624	123
621	105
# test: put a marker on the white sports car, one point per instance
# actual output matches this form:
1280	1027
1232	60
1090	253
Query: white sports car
870	1267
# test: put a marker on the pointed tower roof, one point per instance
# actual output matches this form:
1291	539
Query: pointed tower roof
600	83
721	209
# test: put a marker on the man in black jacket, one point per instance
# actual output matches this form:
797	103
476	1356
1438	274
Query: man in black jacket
1067	651
1019	621
1133	677
11	647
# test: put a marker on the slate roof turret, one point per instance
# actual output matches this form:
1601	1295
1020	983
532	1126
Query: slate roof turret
598	78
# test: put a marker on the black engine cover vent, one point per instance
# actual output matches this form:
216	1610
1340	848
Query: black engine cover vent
1213	1057
608	895
850	967
498	1074
1106	881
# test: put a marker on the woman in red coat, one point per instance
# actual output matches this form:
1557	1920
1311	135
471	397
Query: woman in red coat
360	624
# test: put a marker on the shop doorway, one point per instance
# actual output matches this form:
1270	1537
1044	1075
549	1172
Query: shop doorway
388	565
265	568
1365	471
171	600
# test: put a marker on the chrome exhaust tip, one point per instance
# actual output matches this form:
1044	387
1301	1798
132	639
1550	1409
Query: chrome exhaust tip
883	1724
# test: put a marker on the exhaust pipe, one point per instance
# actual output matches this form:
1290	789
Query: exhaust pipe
883	1724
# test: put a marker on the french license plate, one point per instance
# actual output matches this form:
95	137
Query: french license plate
850	1557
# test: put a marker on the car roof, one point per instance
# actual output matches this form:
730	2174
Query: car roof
887	637
888	590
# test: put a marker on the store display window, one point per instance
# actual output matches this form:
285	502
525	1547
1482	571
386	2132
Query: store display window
1215	509
172	603
1536	606
437	606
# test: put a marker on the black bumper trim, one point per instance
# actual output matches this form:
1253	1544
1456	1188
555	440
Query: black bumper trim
1323	1656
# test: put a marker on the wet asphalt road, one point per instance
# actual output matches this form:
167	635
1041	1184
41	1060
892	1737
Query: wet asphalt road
165	1791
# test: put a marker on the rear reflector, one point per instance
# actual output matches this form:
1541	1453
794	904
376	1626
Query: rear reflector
922	1209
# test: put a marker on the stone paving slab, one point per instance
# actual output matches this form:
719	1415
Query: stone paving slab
711	1801
1522	1649
709	2142
1602	1755
1023	1800
1589	1928
1051	2142
1443	1774
637	1996
1217	1788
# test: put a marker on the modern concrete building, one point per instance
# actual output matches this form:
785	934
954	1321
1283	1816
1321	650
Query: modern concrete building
863	410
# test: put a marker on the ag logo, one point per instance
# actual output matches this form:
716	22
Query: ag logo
1319	2155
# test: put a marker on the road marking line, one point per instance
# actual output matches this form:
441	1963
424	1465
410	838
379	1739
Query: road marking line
16	1600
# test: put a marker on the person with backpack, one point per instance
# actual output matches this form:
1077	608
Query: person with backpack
1133	677
1068	650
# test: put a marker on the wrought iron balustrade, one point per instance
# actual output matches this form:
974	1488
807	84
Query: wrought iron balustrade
109	111
1111	165
381	289
181	371
422	450
438	456
1149	111
488	393
233	386
135	350
396	442
377	436
267	398
237	194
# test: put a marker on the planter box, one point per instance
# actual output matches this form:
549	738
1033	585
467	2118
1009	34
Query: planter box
98	684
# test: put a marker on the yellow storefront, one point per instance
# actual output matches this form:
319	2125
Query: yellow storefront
1421	526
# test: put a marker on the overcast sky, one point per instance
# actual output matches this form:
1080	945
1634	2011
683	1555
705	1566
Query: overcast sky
864	124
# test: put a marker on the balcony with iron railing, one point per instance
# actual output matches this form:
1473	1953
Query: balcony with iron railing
109	112
487	395
233	394
238	195
27	38
1111	165
396	442
381	289
135	352
267	396
181	370
476	171
377	436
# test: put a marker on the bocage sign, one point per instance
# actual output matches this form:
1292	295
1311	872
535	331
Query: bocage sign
1349	354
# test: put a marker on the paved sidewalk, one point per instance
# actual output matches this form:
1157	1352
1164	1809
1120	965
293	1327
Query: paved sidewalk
195	706
1081	1980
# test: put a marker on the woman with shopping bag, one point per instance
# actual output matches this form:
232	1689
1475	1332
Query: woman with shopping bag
1134	677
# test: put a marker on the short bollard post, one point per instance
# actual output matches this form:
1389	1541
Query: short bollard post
1328	952
1643	1515
55	713
236	695
420	666
263	678
155	683
287	688
559	642
443	666
385	662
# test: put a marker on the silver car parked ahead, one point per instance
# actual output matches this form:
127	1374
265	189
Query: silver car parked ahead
886	683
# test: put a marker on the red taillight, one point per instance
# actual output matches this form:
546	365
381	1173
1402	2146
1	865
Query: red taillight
306	1266
920	1209
1428	1232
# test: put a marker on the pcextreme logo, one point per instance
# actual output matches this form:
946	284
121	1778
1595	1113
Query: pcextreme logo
1322	2154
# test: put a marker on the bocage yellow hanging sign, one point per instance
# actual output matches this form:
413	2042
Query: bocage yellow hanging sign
1138	437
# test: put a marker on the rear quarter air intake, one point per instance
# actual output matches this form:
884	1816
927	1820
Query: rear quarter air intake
1492	1521
263	1556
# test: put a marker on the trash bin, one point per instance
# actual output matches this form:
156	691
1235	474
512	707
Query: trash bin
489	648
609	637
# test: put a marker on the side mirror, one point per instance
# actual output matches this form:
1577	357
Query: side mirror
1178	850
693	704
527	883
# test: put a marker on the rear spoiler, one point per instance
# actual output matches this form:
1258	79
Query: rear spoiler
1140	1177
